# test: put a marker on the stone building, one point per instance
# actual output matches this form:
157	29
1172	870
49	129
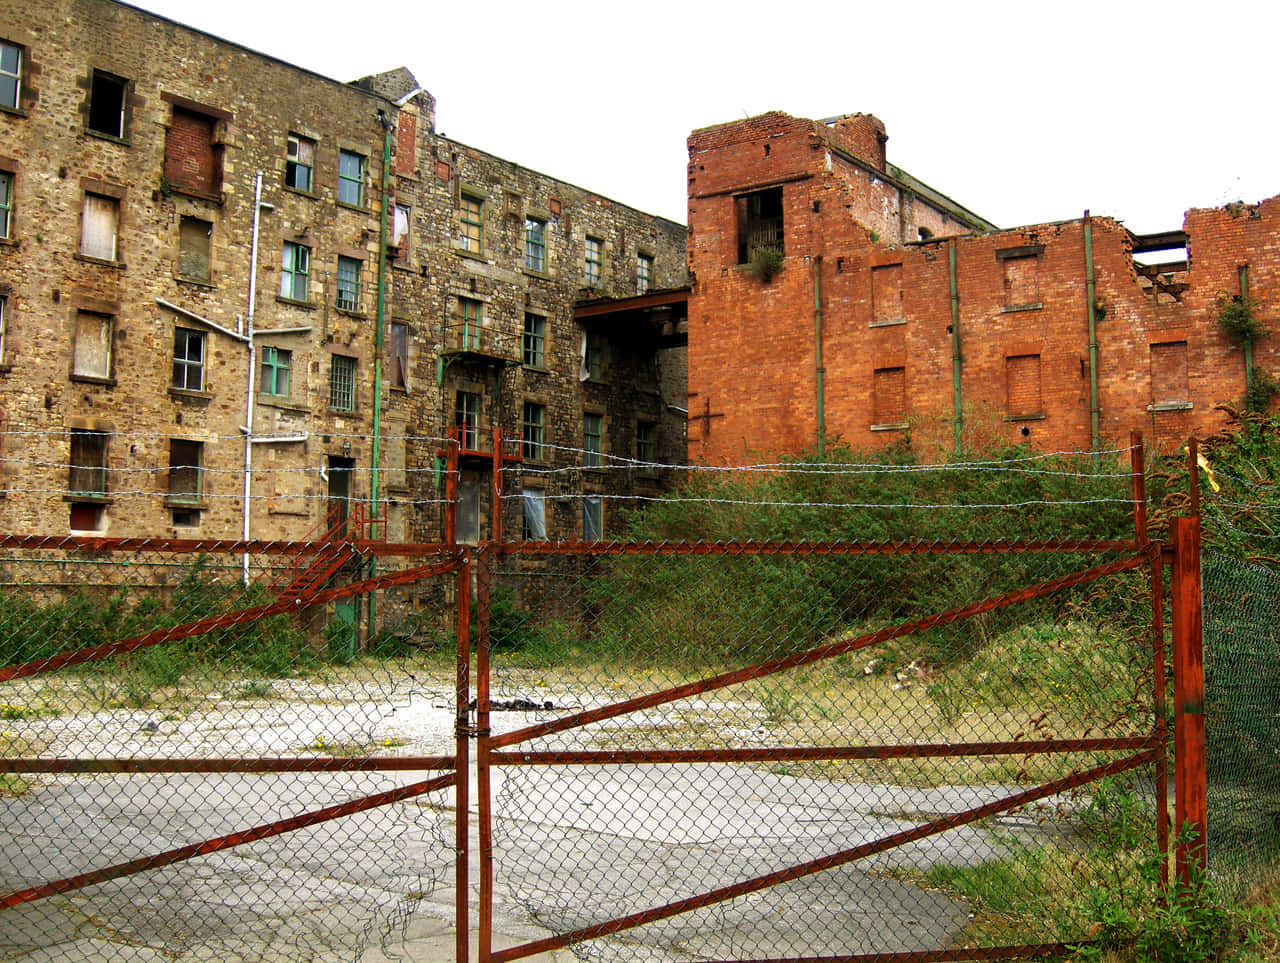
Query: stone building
836	296
236	296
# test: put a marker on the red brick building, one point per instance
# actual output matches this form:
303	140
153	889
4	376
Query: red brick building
837	297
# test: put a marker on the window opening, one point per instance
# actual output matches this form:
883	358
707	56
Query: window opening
350	178
399	355
759	224
184	470
533	431
299	165
91	357
195	237
592	518
592	440
295	268
534	340
593	260
188	359
10	75
106	104
98	227
342	383
472	223
535	244
348	284
6	204
534	528
466	416
276	364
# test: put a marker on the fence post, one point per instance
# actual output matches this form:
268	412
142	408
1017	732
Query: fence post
1188	699
462	822
484	557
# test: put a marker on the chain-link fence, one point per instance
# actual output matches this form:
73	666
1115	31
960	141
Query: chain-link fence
211	755
871	709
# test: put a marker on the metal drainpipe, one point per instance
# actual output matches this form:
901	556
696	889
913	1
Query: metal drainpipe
958	416
1095	441
248	425
1248	345
819	370
377	359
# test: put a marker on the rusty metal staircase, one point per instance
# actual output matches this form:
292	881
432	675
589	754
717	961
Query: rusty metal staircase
334	548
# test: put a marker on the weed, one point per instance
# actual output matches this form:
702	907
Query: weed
779	702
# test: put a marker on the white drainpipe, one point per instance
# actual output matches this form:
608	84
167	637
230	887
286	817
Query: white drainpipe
253	360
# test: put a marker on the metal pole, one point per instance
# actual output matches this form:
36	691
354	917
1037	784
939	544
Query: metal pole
484	813
248	425
958	415
1188	699
1094	431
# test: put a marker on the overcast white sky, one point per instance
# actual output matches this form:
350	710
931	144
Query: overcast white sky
1022	111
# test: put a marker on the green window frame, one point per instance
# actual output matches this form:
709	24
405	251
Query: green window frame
466	416
300	163
472	221
276	364
295	272
592	440
350	178
593	261
342	383
347	286
10	76
533	431
534	340
644	273
535	244
469	323
6	204
646	446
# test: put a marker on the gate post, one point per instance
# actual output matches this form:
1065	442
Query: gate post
1188	699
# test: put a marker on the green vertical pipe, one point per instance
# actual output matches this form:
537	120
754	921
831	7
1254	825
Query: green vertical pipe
958	416
818	369
1248	345
377	355
1094	441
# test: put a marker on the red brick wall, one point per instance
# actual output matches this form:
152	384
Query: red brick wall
191	162
1022	294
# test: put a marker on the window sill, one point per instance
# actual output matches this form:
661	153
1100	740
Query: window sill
537	368
196	505
1034	416
12	242
888	324
309	195
354	207
195	282
352	313
186	394
305	305
100	261
1015	308
88	498
1171	406
895	426
283	403
342	412
93	380
12	111
541	275
103	135
471	255
192	192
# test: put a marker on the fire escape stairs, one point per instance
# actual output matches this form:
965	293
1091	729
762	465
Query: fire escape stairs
334	548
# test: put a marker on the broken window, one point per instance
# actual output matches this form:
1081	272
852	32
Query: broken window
188	359
342	383
98	227
466	417
535	244
472	224
533	431
400	232
350	178
593	262
592	439
192	159
534	340
399	355
276	366
592	518
295	271
646	448
889	402
1169	382
348	284
6	204
534	528
1023	385
468	511
886	294
195	237
10	75
759	224
184	470
91	357
644	273
593	360
300	163
106	104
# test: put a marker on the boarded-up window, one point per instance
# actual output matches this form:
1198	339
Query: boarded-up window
88	464
194	240
91	355
406	143
192	162
1169	373
1022	385
98	227
1021	281
886	293
890	396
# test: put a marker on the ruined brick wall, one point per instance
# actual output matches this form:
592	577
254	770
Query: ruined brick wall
887	327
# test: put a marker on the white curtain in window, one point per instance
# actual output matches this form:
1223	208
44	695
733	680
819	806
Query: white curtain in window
583	371
400	226
592	517
98	235
535	515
